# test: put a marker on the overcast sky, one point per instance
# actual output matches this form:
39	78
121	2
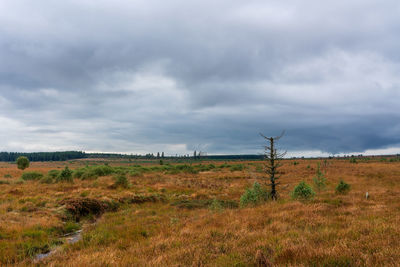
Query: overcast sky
175	76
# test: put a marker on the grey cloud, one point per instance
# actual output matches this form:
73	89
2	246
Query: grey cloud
142	76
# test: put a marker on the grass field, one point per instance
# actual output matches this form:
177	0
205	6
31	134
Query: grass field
189	215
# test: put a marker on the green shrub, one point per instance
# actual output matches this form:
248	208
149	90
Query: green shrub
224	165
4	182
47	180
89	175
53	173
186	168
31	176
7	175
78	173
120	170
103	170
22	163
237	167
65	176
121	181
204	168
302	191
342	187
50	177
319	179
254	195
144	169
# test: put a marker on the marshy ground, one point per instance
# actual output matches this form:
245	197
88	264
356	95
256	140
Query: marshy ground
163	215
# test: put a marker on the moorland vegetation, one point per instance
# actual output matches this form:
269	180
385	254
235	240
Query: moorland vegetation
209	213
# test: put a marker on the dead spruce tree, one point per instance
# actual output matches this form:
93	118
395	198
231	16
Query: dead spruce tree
272	162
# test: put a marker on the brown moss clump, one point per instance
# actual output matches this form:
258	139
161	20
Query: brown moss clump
81	207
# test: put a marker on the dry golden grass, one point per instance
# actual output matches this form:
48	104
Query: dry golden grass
329	230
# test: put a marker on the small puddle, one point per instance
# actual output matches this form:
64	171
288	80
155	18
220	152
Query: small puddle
74	237
69	238
41	256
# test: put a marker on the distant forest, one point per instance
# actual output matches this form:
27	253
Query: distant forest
69	155
43	156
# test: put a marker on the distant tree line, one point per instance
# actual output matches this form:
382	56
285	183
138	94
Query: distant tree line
69	155
125	156
233	157
160	155
43	156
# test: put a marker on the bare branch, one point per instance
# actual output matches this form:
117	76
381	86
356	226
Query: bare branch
280	136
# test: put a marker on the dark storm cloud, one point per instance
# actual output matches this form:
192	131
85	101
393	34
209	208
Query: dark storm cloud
142	76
